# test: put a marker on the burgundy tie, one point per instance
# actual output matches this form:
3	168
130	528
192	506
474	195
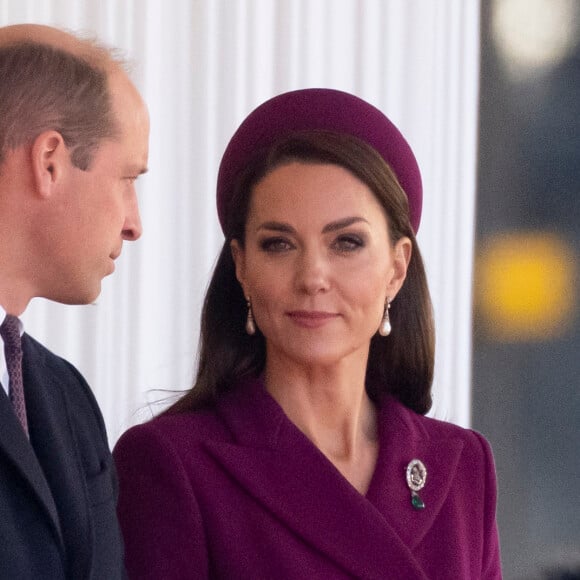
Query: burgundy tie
10	332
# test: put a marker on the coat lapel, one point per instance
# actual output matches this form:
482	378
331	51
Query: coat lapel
292	479
56	449
403	438
17	449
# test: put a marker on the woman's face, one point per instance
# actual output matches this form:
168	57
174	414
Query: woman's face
318	263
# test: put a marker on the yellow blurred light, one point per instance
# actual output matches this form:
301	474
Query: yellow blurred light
524	286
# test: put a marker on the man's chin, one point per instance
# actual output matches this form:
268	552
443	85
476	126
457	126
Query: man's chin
78	298
92	299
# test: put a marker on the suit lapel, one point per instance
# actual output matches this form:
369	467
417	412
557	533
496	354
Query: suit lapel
16	447
52	438
292	479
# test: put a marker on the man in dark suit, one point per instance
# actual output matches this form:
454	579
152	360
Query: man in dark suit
73	138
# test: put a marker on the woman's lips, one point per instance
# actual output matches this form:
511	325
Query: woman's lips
311	318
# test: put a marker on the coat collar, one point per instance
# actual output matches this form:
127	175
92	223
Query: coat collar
17	449
53	441
292	479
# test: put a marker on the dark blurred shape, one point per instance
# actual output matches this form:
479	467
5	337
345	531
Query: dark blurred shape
561	574
526	392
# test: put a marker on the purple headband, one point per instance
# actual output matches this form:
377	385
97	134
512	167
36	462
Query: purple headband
320	109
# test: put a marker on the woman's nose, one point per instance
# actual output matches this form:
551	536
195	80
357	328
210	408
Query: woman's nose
312	272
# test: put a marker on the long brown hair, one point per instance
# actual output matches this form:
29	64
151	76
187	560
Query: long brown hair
401	364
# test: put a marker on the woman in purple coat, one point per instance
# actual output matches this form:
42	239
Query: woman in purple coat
303	450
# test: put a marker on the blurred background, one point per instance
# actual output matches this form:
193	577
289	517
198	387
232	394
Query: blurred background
487	92
526	348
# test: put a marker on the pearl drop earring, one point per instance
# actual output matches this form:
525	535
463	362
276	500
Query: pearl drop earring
385	327
250	324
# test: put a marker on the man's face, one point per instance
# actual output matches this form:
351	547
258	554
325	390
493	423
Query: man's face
98	208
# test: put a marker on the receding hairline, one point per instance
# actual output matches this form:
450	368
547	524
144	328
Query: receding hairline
82	45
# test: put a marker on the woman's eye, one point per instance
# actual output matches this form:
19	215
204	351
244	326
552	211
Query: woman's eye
348	243
274	245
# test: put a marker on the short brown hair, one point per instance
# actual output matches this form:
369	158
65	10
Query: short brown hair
44	88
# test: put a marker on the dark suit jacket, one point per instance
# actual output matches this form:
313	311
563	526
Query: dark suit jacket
239	492
58	495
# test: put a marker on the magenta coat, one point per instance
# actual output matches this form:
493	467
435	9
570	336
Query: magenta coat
239	492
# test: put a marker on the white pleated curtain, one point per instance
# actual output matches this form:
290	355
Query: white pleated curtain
202	65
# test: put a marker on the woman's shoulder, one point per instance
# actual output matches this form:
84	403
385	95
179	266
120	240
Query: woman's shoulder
233	416
433	428
183	431
442	446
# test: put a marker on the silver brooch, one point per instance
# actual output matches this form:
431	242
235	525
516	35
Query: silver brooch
416	474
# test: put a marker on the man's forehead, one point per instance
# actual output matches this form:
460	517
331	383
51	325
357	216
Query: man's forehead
38	33
55	37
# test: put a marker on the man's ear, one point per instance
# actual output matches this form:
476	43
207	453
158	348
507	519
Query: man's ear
50	159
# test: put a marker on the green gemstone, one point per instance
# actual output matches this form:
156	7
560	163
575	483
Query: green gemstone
417	502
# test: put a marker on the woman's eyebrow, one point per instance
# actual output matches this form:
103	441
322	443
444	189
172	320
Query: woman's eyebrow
330	227
277	227
343	223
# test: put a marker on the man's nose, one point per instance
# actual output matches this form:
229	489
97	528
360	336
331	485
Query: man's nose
132	228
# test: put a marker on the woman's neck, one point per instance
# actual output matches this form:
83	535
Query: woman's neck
331	407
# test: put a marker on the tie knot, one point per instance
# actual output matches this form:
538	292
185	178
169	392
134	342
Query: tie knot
10	332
